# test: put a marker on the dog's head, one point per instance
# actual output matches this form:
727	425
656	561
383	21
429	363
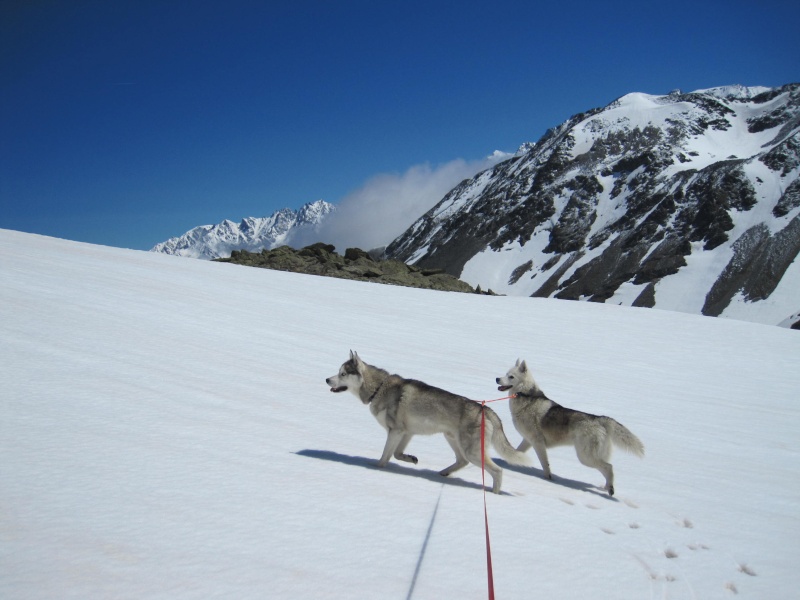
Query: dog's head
349	376
515	379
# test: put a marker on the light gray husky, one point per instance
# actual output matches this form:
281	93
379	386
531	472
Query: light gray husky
406	407
544	424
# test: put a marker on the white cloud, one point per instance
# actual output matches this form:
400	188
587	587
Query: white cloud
387	204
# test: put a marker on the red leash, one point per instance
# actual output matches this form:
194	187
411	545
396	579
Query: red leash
485	513
490	574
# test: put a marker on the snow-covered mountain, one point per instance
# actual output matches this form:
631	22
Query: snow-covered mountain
688	201
253	233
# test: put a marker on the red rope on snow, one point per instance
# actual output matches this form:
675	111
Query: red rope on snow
489	573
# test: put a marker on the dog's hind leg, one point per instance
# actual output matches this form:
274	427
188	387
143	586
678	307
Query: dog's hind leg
524	446
399	451
473	454
590	460
490	467
461	460
496	473
394	438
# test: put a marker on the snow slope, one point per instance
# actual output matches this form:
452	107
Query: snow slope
166	432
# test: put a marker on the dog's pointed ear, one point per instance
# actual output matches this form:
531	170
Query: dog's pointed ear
356	359
523	367
516	365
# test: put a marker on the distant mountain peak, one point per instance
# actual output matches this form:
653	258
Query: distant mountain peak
734	92
524	148
251	233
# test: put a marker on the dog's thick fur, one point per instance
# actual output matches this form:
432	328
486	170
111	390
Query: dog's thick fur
544	424
406	407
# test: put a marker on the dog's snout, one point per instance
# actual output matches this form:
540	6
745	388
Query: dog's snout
497	380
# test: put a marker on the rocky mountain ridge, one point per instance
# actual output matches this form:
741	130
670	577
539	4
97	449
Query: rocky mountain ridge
685	201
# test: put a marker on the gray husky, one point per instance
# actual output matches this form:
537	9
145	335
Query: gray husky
544	424
406	407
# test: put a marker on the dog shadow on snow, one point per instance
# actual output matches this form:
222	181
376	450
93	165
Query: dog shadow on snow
431	475
395	468
580	486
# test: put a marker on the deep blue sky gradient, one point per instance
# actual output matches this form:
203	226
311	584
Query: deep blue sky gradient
128	122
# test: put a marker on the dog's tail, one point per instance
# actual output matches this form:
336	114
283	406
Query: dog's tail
623	438
501	443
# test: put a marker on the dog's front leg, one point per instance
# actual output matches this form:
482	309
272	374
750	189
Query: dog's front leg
399	451
541	452
394	438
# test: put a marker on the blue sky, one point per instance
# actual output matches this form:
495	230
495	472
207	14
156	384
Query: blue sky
126	123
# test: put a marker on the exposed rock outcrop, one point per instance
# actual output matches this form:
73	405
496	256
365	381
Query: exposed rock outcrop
356	264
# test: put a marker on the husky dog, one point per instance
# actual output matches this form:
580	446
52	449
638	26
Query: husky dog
544	424
406	407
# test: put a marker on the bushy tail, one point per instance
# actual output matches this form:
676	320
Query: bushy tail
624	439
501	443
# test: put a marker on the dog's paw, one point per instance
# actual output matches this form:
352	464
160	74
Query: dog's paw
406	458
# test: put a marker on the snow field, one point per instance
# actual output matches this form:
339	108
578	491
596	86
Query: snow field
166	432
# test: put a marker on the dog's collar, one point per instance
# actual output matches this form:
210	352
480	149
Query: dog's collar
375	393
539	394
